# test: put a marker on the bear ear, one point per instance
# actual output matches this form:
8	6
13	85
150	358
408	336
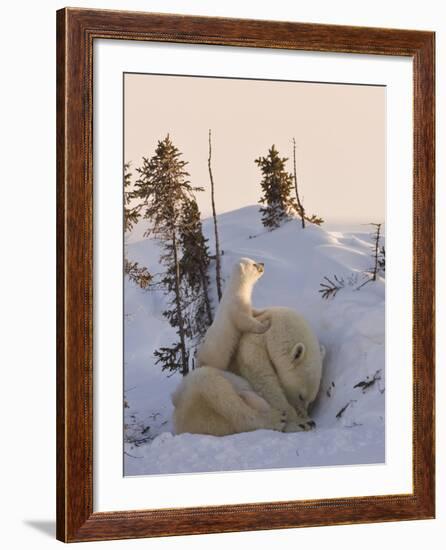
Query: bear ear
323	351
298	352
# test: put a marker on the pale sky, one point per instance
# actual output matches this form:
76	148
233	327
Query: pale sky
339	131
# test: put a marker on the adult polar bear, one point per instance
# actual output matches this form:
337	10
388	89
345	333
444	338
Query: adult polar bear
274	378
284	365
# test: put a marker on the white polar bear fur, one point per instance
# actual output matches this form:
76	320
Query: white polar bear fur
284	365
234	317
216	402
274	384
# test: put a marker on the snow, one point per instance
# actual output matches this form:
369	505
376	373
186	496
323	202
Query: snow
350	420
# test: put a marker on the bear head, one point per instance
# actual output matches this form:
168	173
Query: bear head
248	270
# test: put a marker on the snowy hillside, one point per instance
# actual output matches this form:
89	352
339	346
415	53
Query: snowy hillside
350	420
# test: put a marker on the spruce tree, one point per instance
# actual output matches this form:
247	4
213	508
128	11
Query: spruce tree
277	186
170	207
138	274
194	266
131	214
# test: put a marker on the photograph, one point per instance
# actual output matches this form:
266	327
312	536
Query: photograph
254	265
234	350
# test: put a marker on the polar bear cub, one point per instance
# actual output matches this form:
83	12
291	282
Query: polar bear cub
217	402
235	316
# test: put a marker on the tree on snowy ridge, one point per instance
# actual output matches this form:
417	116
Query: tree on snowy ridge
382	259
277	186
194	265
170	207
131	213
317	220
300	206
330	288
138	274
194	313
214	215
377	258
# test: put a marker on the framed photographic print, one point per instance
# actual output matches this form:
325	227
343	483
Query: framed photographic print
245	275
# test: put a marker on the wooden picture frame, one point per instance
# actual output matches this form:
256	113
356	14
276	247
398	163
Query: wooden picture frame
76	31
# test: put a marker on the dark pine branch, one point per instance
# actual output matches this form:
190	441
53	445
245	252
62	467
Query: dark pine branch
331	288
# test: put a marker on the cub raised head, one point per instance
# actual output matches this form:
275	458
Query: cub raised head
234	316
249	270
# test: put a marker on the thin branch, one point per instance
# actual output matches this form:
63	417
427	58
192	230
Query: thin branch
376	254
332	288
214	214
344	408
364	283
299	204
368	382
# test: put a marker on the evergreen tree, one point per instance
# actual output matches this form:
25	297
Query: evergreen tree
138	274
131	214
194	266
314	218
169	204
277	186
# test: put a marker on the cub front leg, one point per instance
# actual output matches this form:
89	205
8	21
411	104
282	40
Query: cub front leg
246	323
258	312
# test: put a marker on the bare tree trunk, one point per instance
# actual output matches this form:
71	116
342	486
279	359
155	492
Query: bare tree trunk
217	243
184	358
299	204
375	256
204	282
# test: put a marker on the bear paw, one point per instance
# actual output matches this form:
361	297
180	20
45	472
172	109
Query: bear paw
300	425
263	326
275	420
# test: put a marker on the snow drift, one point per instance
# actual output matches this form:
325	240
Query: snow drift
350	408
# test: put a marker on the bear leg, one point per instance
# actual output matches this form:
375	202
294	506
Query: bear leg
219	395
